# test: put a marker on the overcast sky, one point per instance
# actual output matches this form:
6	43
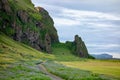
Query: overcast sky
96	21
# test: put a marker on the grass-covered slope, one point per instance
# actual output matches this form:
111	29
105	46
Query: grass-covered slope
18	61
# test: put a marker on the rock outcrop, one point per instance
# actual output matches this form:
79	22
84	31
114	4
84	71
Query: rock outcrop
48	24
4	6
23	16
32	26
48	43
80	48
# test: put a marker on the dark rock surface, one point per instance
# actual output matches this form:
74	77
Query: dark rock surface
48	43
4	6
23	16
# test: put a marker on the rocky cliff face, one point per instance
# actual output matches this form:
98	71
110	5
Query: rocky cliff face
32	26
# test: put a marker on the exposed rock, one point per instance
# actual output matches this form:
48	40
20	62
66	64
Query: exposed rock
4	5
80	48
40	25
48	43
23	16
28	36
47	23
0	5
18	33
23	25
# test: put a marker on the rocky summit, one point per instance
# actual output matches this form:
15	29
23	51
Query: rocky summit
32	26
80	48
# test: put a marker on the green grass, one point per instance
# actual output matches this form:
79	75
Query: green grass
22	4
22	71
69	73
18	61
108	67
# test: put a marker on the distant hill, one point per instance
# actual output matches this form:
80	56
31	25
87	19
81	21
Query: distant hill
102	56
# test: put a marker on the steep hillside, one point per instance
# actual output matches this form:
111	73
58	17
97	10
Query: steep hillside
24	23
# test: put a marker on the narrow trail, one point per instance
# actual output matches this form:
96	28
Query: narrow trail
44	70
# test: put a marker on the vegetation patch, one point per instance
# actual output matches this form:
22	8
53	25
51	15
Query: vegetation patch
63	53
108	67
69	73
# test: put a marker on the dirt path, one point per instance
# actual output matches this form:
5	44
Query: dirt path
44	70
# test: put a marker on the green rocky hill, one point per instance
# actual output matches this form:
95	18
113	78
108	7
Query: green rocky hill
23	22
20	20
